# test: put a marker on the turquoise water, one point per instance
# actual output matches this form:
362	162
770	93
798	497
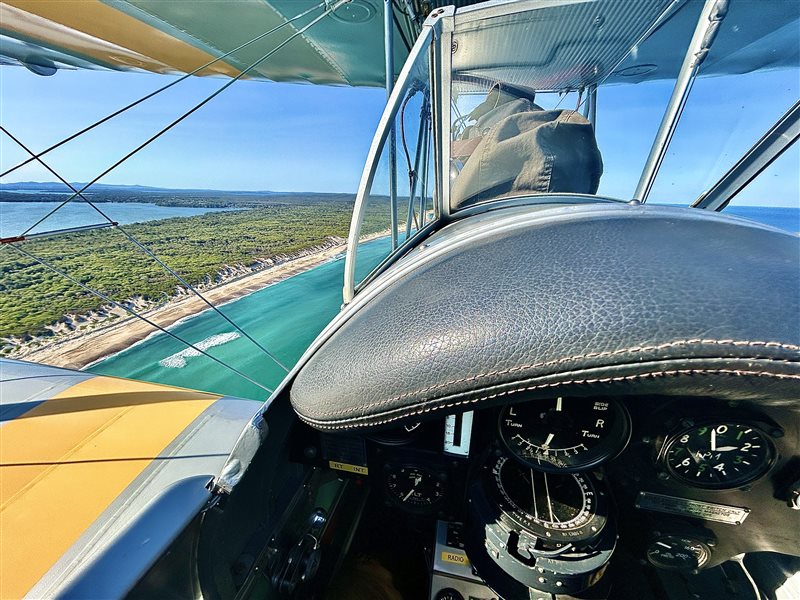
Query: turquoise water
16	217
284	317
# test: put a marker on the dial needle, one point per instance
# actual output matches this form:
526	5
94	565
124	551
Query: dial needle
713	440
558	403
549	503
549	439
533	493
413	487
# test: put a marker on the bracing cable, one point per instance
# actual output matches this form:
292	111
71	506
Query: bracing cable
192	110
159	90
149	252
79	193
132	312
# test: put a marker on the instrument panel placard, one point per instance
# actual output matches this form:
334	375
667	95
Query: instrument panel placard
721	513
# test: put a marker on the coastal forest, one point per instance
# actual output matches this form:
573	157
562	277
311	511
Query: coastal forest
199	248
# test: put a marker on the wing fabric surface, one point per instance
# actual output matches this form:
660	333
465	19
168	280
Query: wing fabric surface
81	458
346	48
178	37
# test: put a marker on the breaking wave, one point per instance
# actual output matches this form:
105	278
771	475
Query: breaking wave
178	360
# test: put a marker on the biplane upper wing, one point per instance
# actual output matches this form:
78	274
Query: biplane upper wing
344	48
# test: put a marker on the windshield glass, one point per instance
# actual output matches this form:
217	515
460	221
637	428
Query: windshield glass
399	197
567	99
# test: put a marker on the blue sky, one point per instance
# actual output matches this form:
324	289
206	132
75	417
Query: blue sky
253	136
288	137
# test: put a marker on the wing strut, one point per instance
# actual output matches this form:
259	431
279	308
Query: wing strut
784	133
708	25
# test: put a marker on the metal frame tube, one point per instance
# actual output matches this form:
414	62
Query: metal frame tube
388	49
708	23
423	125
371	165
423	191
442	76
784	133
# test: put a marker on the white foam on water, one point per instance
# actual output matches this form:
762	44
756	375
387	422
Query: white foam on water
178	360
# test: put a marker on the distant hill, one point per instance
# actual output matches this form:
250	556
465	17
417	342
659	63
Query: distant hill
37	191
56	186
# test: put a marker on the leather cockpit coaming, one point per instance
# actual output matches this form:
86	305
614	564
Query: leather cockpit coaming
651	378
617	300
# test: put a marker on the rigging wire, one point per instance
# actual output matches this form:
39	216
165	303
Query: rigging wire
158	91
412	174
192	110
113	302
150	253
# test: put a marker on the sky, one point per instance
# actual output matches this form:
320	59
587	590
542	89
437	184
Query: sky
253	136
291	137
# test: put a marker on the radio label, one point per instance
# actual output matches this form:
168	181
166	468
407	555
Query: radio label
455	557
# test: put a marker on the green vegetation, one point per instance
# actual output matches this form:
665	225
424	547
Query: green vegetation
32	296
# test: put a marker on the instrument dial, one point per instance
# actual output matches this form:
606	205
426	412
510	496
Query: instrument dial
678	553
565	434
560	507
719	455
414	487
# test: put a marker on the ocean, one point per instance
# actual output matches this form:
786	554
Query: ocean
285	317
16	217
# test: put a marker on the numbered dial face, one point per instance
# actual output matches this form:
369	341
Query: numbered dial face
560	507
565	434
678	553
719	455
414	487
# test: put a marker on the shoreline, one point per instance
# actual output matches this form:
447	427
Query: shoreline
81	349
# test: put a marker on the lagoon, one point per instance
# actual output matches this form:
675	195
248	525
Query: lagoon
16	217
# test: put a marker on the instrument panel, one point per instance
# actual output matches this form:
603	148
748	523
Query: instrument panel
559	483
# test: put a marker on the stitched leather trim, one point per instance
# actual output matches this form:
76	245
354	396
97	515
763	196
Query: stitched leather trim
634	349
425	407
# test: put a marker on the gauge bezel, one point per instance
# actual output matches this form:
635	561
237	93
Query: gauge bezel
608	451
416	508
702	559
673	438
518	518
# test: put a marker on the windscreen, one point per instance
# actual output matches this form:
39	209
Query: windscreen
568	99
521	113
399	199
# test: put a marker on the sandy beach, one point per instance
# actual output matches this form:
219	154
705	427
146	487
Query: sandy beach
77	349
